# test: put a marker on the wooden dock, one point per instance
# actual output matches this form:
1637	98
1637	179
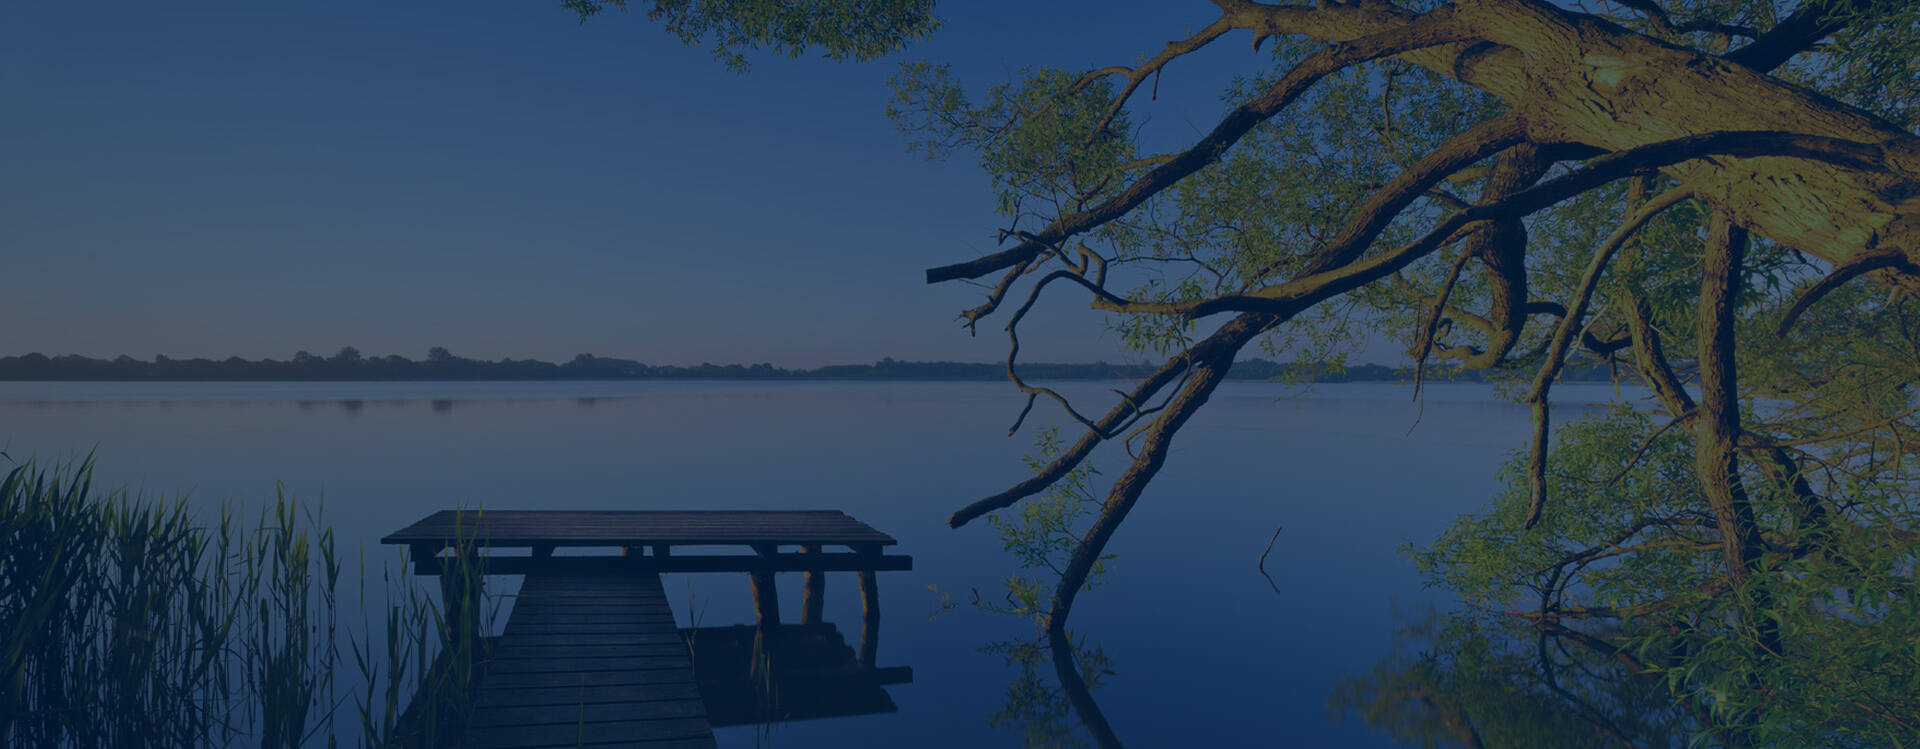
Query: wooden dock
591	654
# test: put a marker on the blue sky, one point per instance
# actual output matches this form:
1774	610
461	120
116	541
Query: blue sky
214	179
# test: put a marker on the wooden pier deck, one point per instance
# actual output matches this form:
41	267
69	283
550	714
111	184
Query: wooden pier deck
591	654
589	659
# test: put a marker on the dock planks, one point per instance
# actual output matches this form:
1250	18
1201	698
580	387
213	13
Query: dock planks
640	528
590	655
590	659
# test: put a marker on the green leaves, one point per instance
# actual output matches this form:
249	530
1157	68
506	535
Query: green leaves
1044	140
1042	532
858	30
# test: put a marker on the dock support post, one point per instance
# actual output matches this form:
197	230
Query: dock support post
813	599
766	599
869	619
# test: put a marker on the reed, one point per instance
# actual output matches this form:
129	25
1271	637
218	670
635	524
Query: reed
130	621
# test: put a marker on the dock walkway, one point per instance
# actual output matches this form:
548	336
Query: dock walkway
591	653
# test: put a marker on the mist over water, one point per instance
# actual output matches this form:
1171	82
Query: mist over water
1203	648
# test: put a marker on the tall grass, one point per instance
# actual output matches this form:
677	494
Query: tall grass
127	621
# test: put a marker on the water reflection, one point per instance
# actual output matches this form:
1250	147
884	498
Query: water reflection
1046	709
1453	681
918	449
782	673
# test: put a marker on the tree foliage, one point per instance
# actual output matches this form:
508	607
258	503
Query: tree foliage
1719	199
1680	191
837	29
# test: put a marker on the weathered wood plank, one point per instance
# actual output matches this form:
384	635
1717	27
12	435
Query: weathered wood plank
559	606
625	731
598	625
554	528
617	650
697	743
678	673
612	671
587	607
576	714
557	615
570	640
633	695
828	562
578	665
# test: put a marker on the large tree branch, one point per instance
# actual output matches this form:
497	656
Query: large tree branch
1438	28
1860	265
1502	249
1717	426
1580	79
1537	398
1129	406
1650	355
1211	360
1373	216
1797	33
1281	297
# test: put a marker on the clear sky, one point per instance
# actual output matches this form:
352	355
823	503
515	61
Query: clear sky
245	178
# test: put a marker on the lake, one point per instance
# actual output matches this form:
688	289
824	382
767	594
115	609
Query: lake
1203	648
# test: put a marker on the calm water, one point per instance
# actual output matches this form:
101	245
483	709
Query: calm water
1203	648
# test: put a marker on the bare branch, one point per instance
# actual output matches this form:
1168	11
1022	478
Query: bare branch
1151	67
1052	472
1433	320
1861	265
971	317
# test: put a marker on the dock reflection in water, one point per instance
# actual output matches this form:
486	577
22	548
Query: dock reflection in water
778	674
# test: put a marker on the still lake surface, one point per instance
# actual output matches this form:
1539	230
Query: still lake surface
1204	651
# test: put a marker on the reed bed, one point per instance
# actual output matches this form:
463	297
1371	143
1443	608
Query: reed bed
131	621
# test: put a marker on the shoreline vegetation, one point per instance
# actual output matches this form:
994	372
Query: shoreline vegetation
128	620
440	365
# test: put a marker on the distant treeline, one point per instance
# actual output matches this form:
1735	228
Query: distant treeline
350	364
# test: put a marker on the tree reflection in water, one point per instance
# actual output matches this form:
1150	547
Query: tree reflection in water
1614	622
1453	681
1040	705
1048	688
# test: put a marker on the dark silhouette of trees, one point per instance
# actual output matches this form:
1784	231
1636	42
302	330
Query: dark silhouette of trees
440	364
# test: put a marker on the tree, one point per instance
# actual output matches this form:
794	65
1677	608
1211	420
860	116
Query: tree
1684	190
839	29
1510	185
